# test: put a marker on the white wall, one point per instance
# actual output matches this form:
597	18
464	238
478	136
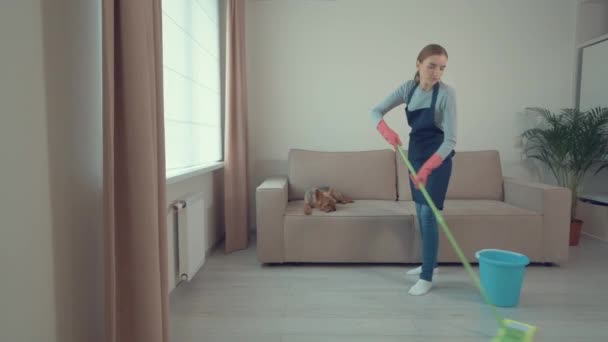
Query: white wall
316	68
27	312
51	151
72	44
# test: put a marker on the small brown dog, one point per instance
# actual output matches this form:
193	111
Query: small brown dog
324	199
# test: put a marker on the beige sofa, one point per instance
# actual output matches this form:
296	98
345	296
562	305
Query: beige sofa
483	209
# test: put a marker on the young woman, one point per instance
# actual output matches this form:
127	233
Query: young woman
431	114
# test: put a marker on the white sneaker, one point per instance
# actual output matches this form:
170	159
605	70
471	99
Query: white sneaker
421	287
418	271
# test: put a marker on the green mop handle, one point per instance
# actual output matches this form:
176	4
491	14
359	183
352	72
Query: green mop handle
451	238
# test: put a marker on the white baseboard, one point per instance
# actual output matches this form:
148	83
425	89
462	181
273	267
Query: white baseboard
594	237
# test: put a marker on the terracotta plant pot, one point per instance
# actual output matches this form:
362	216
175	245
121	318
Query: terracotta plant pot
575	232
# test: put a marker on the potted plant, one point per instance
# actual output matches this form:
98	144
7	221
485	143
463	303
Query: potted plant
570	144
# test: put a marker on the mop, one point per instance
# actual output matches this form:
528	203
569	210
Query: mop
509	330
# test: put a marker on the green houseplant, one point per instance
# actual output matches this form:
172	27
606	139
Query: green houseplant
570	143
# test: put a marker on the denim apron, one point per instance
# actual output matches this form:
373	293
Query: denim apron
425	139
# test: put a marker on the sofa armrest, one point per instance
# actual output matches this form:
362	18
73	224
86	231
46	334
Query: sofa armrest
553	202
271	201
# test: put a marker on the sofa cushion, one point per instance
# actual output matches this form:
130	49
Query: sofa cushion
479	224
364	231
360	175
360	208
483	208
475	175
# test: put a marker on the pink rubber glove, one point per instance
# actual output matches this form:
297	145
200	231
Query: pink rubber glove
389	135
427	168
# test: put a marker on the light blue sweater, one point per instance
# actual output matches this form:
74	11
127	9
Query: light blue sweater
445	110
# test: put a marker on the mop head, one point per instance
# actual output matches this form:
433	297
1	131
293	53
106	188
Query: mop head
512	331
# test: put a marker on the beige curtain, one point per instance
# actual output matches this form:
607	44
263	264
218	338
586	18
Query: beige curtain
134	173
235	142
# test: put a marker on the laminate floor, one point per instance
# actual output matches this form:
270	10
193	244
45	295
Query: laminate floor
235	298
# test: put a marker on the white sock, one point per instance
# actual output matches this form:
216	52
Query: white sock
420	288
418	270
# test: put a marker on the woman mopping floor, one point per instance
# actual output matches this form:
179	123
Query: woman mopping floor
431	113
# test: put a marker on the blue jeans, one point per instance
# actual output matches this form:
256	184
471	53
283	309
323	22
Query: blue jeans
430	240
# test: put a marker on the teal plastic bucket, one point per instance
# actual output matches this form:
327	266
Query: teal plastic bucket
502	275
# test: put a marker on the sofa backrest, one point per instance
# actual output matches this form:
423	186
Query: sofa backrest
360	174
475	175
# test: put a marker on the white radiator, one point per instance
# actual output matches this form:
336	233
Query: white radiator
191	242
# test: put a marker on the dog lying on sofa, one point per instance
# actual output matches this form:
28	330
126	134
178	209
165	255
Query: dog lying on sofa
324	199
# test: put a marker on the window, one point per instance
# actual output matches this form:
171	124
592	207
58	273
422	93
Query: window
192	87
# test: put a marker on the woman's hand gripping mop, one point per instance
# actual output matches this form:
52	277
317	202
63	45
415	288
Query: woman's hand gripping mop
509	330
